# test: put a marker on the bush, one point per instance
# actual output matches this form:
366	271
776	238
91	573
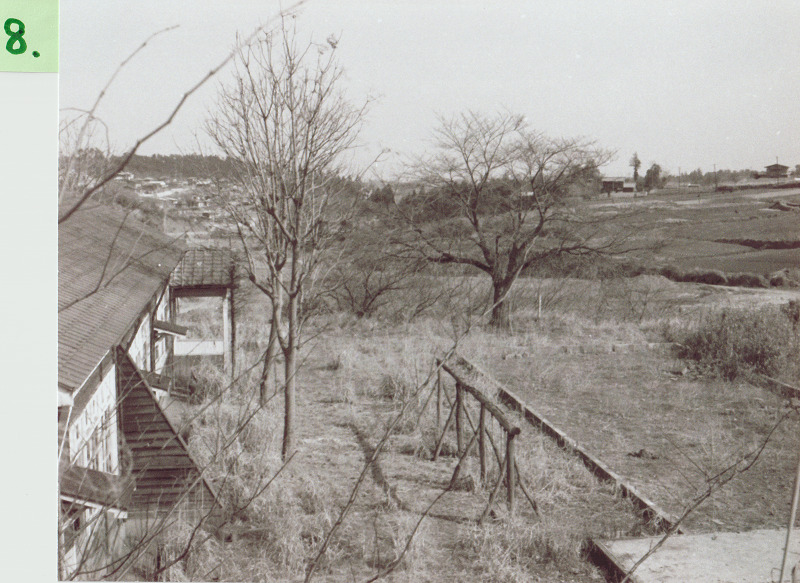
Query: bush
783	278
672	273
747	280
716	277
736	341
778	280
713	277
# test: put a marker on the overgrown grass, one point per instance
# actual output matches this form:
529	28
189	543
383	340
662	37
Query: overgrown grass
372	368
735	342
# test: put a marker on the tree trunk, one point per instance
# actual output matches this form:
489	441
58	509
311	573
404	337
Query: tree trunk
501	316
290	367
269	359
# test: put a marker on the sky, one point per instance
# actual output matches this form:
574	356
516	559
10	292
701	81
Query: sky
684	84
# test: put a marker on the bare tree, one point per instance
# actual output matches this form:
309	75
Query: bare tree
635	163
86	165
284	125
506	188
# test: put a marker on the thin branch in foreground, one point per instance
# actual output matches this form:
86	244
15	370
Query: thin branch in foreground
715	483
382	442
120	166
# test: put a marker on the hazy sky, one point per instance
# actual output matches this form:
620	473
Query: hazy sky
684	84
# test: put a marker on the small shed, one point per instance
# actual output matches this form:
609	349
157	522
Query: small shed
617	184
777	171
204	273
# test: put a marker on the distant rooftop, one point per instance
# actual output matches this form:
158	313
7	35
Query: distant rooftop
204	267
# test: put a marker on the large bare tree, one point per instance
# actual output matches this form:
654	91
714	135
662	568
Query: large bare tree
506	192
285	125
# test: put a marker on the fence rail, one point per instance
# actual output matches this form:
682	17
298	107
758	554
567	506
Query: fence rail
471	383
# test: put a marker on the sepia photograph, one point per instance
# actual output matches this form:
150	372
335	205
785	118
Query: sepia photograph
358	291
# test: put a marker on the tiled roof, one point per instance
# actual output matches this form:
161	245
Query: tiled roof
129	261
201	267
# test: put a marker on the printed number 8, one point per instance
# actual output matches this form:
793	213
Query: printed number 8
15	37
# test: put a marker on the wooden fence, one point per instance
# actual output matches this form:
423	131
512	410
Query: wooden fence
469	383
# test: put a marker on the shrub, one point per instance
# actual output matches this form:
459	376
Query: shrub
747	280
713	277
778	279
673	273
792	311
736	341
783	278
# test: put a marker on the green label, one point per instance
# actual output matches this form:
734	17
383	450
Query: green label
29	36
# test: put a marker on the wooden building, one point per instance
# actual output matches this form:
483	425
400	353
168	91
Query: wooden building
777	171
207	273
617	184
122	464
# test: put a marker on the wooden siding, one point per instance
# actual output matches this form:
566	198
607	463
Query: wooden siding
139	349
165	472
93	431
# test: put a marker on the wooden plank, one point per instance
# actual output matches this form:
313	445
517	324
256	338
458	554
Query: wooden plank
146	452
172	488
166	473
162	462
148	435
653	512
200	291
468	380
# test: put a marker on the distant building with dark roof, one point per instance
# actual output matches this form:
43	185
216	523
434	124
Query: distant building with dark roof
617	184
777	171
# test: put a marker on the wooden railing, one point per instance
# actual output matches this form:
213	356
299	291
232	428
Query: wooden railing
470	383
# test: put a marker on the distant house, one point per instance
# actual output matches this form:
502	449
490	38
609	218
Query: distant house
617	184
777	171
122	463
151	186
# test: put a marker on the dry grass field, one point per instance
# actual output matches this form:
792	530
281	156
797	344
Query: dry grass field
596	361
584	364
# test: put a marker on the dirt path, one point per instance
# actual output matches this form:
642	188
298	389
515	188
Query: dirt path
334	444
337	435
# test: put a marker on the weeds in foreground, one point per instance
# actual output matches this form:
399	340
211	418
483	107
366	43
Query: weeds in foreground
513	549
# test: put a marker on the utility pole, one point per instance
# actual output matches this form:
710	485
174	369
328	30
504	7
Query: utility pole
715	177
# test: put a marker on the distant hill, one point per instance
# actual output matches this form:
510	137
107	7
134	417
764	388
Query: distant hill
178	166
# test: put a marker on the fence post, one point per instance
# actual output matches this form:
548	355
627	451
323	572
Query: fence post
459	416
510	470
439	399
482	442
